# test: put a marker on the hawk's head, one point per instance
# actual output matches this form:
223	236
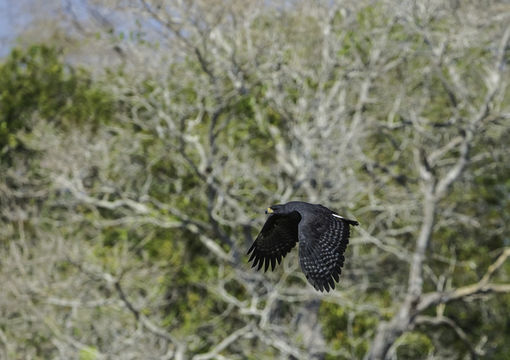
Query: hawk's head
277	209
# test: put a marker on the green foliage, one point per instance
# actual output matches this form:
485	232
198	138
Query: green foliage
414	345
89	353
191	308
344	328
37	81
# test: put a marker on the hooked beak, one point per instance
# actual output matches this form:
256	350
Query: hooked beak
269	211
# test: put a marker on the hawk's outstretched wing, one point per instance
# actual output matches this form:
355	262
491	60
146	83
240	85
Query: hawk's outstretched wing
277	237
322	244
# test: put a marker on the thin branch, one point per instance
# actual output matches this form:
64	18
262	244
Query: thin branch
225	343
279	344
495	266
144	321
443	320
459	166
481	287
81	195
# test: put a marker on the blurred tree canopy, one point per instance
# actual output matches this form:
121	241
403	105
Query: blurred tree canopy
140	143
38	81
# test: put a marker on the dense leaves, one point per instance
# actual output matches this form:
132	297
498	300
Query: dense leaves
37	81
129	194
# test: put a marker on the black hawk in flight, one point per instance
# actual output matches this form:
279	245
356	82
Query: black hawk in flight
322	234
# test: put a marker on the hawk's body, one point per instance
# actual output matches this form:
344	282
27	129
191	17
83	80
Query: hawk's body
322	235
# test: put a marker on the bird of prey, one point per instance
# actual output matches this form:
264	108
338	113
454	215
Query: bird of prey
322	234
